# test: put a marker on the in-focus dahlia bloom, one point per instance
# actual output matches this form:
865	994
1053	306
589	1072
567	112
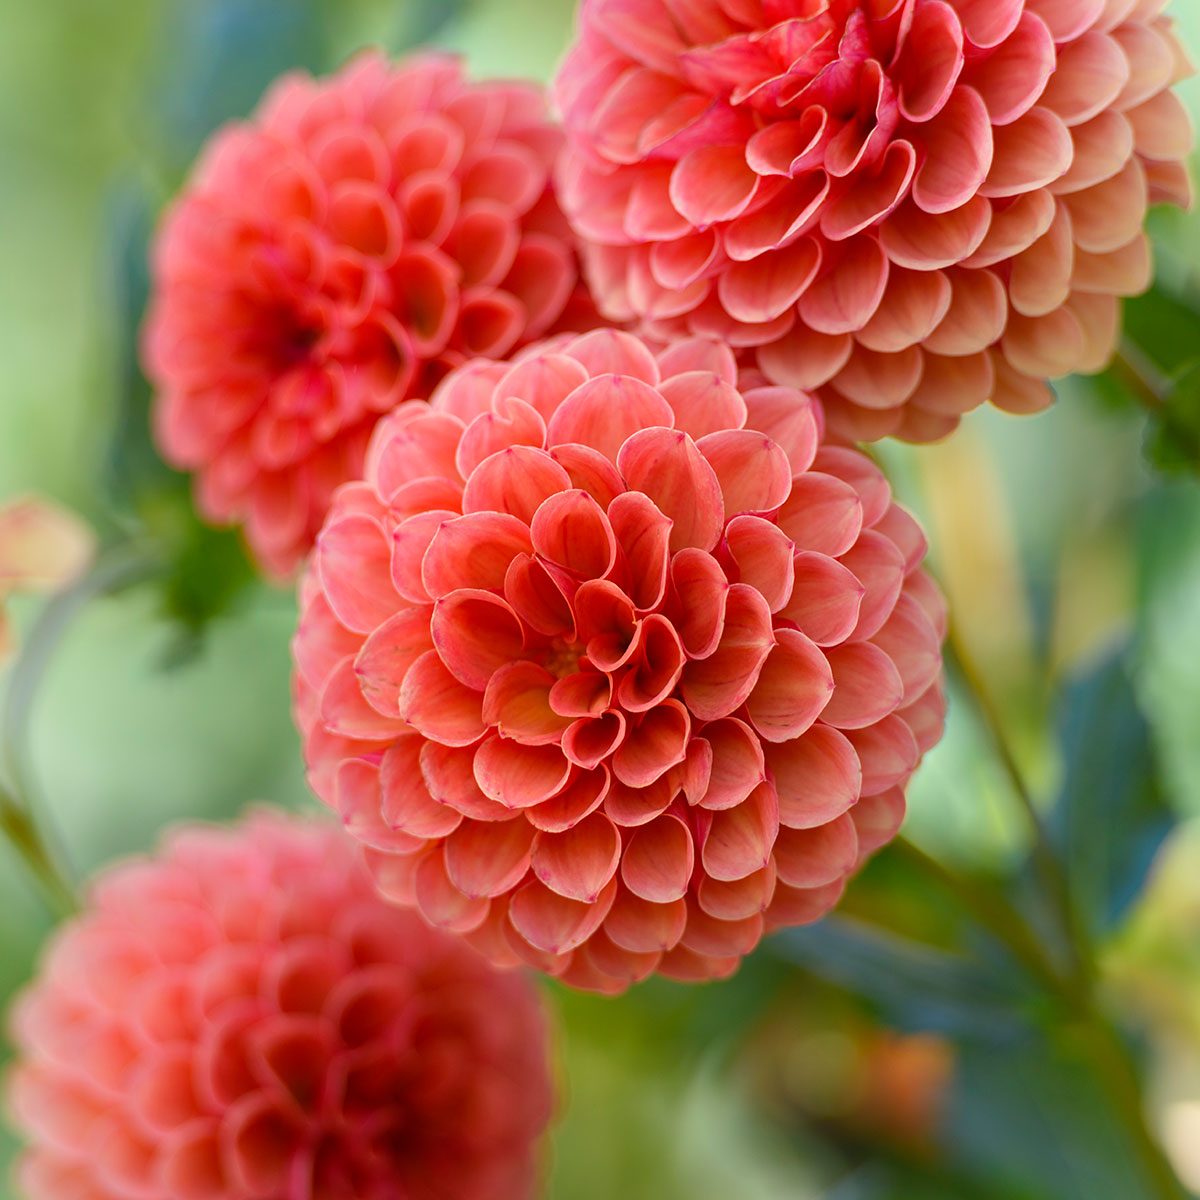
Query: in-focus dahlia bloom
610	665
913	206
334	256
242	1018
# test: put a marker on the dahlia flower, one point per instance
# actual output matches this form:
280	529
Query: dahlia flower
334	256
912	206
242	1018
610	665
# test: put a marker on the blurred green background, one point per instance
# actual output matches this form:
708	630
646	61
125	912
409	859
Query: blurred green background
897	1065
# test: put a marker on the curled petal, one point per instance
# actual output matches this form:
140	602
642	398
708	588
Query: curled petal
520	776
554	923
716	686
652	746
793	688
488	858
739	839
475	633
817	777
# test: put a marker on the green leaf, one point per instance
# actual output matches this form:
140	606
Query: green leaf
1111	815
1173	438
914	986
1032	1119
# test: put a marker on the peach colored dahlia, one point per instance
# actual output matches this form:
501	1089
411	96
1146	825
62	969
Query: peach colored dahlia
334	256
242	1018
612	667
913	206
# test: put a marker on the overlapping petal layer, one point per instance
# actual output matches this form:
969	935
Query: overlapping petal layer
909	206
334	256
611	665
242	1018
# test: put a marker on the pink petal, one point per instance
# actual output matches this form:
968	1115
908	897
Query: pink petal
958	153
630	807
929	62
643	534
865	198
714	939
823	514
700	595
817	777
810	858
387	654
406	802
543	382
1011	79
930	241
658	861
441	903
590	471
436	704
1030	153
740	839
449	774
888	752
345	711
762	554
753	472
553	923
867	686
581	797
804	358
476	633
514	481
793	688
641	926
607	624
667	466
713	183
488	858
703	403
655	666
474	551
606	411
579	862
877	820
517	703
512	422
768	286
613	352
739	899
736	764
520	776
571	530
653	745
538	598
354	564
716	686
846	296
590	740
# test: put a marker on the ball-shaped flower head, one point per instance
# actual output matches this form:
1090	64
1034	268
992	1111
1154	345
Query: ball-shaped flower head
612	666
913	206
335	255
241	1017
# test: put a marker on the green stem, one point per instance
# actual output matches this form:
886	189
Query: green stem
1050	874
1135	370
991	910
27	841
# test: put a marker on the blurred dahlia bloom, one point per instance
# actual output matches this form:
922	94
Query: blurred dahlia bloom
43	548
909	206
334	256
242	1018
610	665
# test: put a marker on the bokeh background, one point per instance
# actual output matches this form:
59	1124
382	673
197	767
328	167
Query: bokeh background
891	1053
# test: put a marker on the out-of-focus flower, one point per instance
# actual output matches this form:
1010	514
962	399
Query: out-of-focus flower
242	1017
334	256
42	548
912	206
611	665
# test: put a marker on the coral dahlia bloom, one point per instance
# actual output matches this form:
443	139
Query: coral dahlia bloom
610	665
242	1018
913	206
334	256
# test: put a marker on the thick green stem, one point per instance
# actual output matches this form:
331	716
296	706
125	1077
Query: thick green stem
1046	863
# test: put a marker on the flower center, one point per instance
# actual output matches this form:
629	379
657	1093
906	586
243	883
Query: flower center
562	657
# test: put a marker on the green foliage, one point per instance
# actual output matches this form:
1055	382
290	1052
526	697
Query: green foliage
1173	438
1111	815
